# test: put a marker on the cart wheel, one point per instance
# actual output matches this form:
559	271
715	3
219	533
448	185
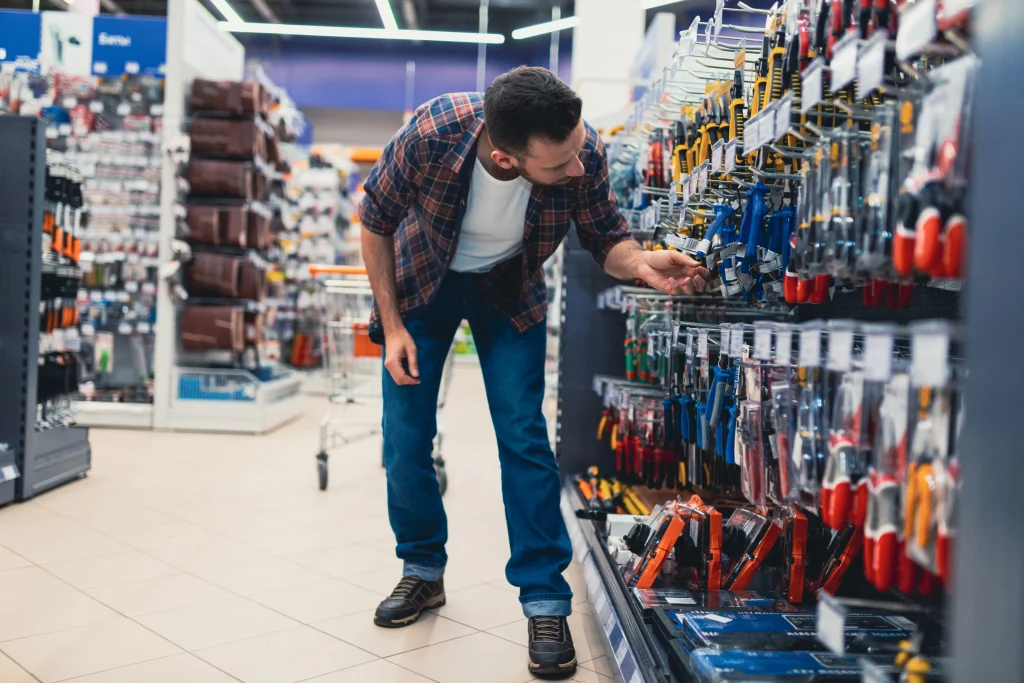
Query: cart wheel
321	469
442	475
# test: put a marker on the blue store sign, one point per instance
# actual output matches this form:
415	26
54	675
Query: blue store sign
20	34
128	45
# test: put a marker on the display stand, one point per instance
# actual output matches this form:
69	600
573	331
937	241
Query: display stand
197	48
48	458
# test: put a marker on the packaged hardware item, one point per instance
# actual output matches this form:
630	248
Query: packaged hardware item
724	666
213	328
680	599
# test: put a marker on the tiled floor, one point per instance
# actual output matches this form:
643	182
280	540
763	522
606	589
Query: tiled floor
187	558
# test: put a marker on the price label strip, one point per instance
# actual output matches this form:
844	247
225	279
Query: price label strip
811	88
844	63
810	348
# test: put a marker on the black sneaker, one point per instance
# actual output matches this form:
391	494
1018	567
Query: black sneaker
551	649
411	596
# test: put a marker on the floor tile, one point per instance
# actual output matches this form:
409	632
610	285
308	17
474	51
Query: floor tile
215	623
297	654
192	557
123	517
478	657
318	601
93	572
601	665
359	630
49	613
482	607
11	560
183	668
254	577
378	581
583	637
76	546
349	559
375	672
293	541
29	582
19	514
159	594
160	535
106	645
14	529
10	672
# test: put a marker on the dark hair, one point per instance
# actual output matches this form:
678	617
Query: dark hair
529	101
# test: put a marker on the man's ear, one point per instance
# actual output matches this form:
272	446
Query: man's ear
504	159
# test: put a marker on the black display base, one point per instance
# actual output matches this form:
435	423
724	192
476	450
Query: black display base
54	457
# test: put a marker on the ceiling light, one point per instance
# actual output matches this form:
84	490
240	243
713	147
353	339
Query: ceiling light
386	15
547	27
226	11
352	32
651	4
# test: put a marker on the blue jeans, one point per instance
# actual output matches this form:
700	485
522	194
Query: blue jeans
513	369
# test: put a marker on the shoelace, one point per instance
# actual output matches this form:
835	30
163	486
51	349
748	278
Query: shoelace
547	630
405	587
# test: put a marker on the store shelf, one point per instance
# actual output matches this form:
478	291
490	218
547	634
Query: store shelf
117	415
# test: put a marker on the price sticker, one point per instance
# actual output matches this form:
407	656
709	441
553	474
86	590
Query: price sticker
726	340
878	356
716	156
751	131
69	102
929	364
918	27
124	328
703	176
736	342
783	116
840	350
729	165
766	129
131	286
156	110
762	342
96	107
871	65
811	89
51	133
831	624
689	343
810	348
64	129
87	329
675	335
702	344
143	328
844	63
124	109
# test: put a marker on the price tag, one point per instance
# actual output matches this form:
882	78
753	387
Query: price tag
811	90
832	624
689	343
51	132
143	328
871	65
751	131
762	342
96	107
929	364
917	29
719	6
131	286
64	129
716	156
87	329
736	342
766	131
703	176
156	110
878	357
675	335
726	345
69	103
783	117
844	63
124	109
702	344
730	156
124	328
810	348
840	350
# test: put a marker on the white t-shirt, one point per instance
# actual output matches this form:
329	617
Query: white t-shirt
492	228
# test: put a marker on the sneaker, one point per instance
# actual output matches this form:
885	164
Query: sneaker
411	596
551	649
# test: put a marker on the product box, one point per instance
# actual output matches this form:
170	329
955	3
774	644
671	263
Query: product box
737	630
680	599
669	627
724	666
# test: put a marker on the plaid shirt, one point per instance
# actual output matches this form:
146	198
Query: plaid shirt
418	190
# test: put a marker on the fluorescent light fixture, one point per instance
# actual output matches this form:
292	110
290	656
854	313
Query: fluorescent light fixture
227	11
651	4
386	15
351	32
547	27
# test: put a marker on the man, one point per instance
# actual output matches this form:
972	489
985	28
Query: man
460	213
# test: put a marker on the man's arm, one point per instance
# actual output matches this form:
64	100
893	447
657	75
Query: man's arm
389	191
604	233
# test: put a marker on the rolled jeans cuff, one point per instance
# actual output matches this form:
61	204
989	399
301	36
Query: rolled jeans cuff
425	572
546	608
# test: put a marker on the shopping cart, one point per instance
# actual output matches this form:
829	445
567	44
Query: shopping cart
352	364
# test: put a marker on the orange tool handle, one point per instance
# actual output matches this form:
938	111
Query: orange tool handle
324	269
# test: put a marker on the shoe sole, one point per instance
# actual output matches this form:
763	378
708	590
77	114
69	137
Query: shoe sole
560	669
436	601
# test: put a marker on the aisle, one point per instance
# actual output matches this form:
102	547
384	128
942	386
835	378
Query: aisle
211	559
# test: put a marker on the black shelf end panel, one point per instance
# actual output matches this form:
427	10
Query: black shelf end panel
591	344
56	457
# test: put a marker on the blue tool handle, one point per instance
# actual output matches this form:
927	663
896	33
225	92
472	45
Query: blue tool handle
730	443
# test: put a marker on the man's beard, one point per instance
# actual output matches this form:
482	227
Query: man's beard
568	180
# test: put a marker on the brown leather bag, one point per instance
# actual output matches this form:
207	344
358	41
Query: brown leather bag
213	275
253	281
229	97
228	179
213	328
226	137
258	230
217	225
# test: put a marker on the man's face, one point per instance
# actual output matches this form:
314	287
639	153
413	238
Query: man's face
549	163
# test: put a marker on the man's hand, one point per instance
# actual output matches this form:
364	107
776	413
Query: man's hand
672	272
400	357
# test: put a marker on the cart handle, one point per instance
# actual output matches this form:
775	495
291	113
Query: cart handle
322	269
